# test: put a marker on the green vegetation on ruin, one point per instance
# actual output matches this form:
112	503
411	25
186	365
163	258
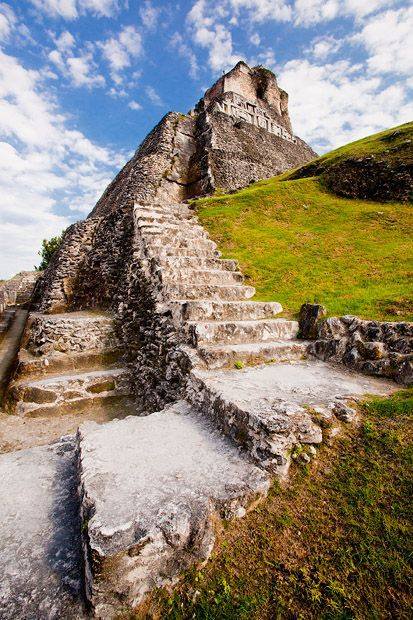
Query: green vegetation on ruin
296	241
336	543
395	144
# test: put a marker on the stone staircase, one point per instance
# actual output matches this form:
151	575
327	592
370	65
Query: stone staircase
154	488
251	395
68	363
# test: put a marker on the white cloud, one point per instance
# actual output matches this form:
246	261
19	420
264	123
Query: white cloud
388	39
134	105
262	10
65	41
332	104
119	51
81	71
214	37
185	51
57	8
46	167
7	21
71	9
149	14
322	47
255	38
153	96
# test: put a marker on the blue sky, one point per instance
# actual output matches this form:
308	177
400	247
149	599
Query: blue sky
83	81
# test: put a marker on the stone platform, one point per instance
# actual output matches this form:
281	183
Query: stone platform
40	552
272	408
153	489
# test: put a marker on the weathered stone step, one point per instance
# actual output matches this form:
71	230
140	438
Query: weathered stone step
58	362
181	212
201	276
193	291
176	231
268	410
40	546
194	262
167	252
237	332
69	341
67	393
153	490
252	353
204	310
163	216
178	243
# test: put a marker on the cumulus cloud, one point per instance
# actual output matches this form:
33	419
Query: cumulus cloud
183	49
322	47
214	37
334	103
71	9
387	38
149	14
7	21
134	105
153	96
120	50
46	167
80	69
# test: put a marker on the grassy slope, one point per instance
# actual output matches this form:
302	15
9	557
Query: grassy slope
336	543
296	242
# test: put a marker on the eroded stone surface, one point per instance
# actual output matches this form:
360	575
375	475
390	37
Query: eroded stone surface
40	550
67	391
152	489
268	409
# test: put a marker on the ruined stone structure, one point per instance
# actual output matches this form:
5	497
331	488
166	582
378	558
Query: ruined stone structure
138	309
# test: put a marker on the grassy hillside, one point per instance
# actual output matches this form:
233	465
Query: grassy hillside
335	544
298	242
393	145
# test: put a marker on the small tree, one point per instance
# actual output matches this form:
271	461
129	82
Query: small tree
49	247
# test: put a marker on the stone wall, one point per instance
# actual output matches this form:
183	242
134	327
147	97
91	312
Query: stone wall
373	347
46	334
238	153
55	289
18	290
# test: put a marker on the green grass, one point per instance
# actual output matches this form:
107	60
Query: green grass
394	144
297	242
335	544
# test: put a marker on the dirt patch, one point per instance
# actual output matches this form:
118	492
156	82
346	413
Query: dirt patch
18	433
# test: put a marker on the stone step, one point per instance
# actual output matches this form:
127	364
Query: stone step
153	491
201	276
204	310
163	216
252	353
270	409
69	342
177	232
164	210
238	332
188	262
176	244
193	291
57	362
40	546
67	393
170	253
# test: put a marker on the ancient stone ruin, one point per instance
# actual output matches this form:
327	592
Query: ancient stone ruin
138	311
